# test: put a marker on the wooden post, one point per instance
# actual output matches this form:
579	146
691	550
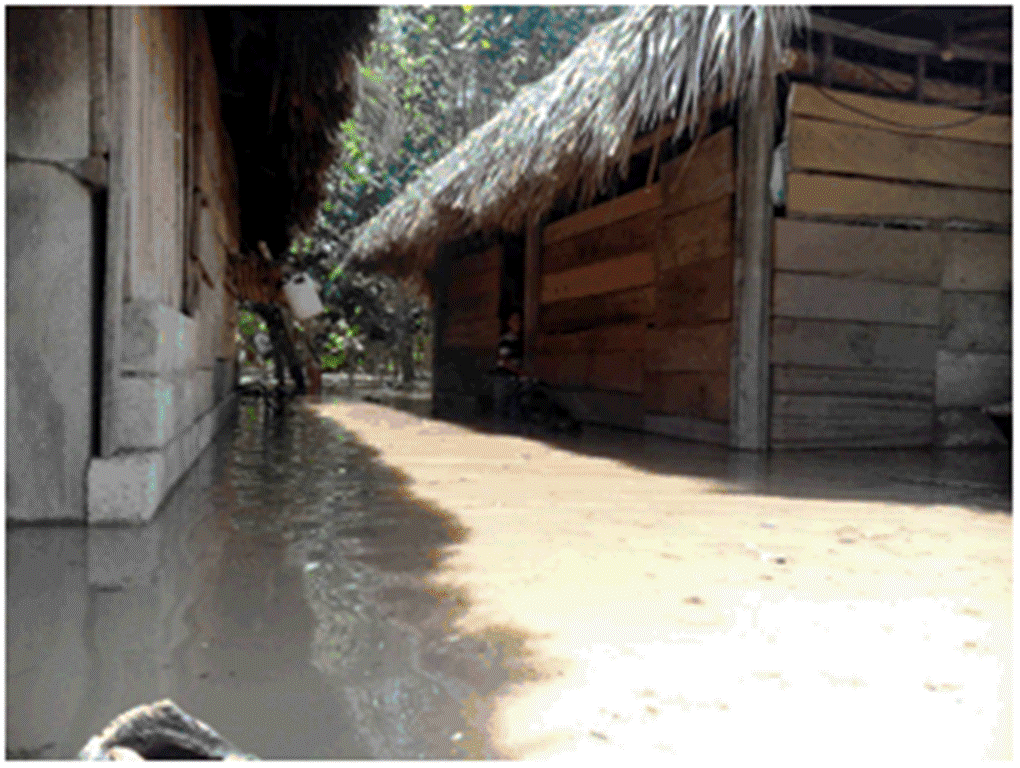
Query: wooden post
989	88
532	289
124	131
752	273
440	313
827	60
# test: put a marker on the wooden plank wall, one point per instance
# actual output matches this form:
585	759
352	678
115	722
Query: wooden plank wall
469	330
687	365
884	305
596	297
636	300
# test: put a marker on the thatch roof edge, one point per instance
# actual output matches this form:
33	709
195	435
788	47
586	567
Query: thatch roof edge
571	130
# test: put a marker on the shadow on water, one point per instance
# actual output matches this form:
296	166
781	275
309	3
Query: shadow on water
284	594
979	478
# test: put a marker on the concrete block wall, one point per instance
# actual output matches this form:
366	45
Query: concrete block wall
50	281
169	365
170	399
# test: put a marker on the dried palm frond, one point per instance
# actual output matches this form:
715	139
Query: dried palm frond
569	132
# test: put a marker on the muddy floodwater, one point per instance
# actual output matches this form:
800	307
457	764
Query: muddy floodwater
353	580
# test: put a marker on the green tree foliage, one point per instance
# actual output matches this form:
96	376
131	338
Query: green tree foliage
432	75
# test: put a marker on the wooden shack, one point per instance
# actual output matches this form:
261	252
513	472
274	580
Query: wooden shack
804	266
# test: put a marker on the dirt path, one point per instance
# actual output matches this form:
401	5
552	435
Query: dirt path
669	615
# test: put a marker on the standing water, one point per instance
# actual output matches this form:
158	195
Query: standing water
282	595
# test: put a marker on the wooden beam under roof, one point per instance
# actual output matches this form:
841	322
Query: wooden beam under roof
900	44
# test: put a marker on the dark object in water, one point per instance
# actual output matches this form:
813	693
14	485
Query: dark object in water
541	408
160	731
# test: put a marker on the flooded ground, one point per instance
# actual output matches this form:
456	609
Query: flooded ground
358	581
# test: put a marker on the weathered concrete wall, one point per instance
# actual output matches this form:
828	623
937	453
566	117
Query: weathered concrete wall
49	265
77	84
173	366
47	82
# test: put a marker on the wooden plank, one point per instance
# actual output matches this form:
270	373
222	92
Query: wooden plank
838	420
615	409
816	145
572	370
891	114
788	439
589	311
488	260
473	334
705	395
561	255
564	343
972	379
566	369
821	297
910	256
622	207
608	276
688	428
637	233
532	288
485	304
617	371
699	234
751	271
868	382
705	175
977	261
695	293
976	322
481	284
853	345
628	337
904	44
124	126
821	195
703	348
543	365
879	80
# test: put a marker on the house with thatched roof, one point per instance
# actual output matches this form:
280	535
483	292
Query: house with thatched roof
149	151
758	227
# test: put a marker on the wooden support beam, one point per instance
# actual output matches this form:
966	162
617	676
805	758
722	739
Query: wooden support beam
919	90
827	60
124	128
749	379
532	288
898	84
989	79
904	45
651	139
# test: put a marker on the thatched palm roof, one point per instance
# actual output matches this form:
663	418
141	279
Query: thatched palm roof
571	130
287	79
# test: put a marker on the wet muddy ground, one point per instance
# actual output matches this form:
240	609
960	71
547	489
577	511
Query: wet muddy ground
357	581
